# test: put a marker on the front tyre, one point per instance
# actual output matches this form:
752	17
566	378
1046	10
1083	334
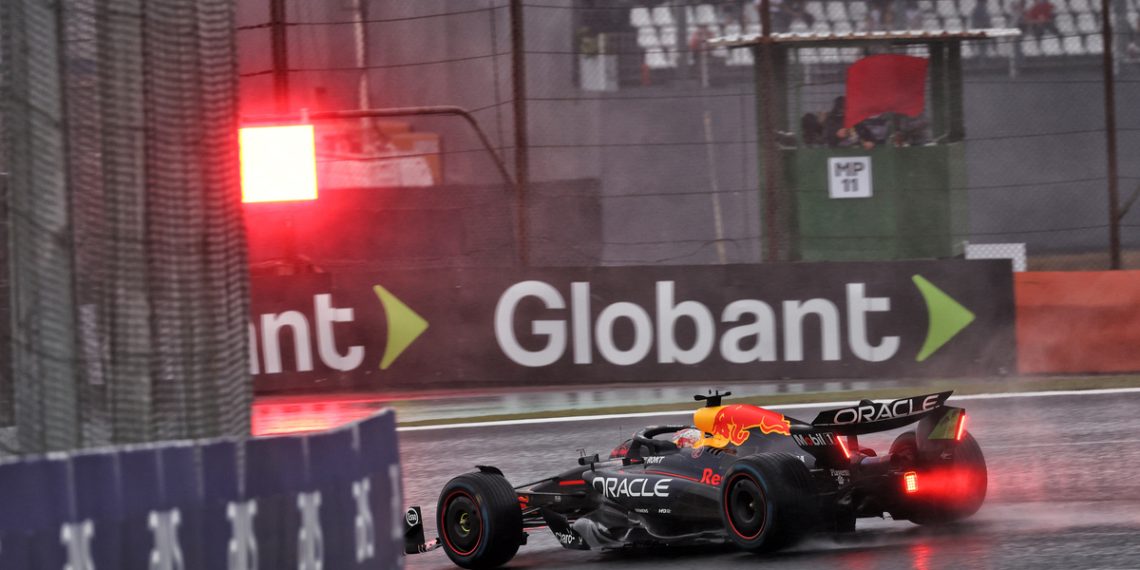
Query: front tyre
766	501
479	520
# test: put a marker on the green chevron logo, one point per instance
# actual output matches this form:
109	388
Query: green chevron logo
947	317
404	326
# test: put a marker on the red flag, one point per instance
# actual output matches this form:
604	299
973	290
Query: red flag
885	84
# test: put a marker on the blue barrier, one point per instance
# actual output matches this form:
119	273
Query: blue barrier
329	500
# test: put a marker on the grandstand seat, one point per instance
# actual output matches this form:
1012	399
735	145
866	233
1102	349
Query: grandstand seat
732	29
1087	24
668	37
995	9
1081	7
837	12
966	7
998	21
647	38
969	50
808	55
858	12
799	27
952	24
1030	47
1095	44
815	9
662	16
639	17
1065	24
739	57
829	54
841	28
947	9
1051	45
850	55
926	6
820	27
751	13
655	58
754	29
1073	45
930	22
706	15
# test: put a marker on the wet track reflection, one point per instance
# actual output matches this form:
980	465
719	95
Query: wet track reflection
1063	492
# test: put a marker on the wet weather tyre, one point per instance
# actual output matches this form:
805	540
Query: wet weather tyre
767	501
963	481
479	520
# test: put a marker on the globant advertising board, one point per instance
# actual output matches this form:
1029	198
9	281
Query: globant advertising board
448	328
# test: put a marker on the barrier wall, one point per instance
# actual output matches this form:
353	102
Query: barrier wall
1078	321
329	500
401	330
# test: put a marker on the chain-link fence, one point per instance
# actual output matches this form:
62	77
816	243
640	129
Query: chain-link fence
124	243
631	95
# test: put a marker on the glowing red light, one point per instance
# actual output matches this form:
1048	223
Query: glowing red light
961	426
843	446
910	480
278	163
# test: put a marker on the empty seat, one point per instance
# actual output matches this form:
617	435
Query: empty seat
706	15
952	24
849	55
829	54
751	13
930	23
663	16
647	38
968	50
841	28
639	17
1087	24
820	27
858	11
947	8
1065	24
1080	6
1030	47
1094	44
1050	45
732	29
668	37
966	7
655	58
836	12
753	29
1073	45
808	55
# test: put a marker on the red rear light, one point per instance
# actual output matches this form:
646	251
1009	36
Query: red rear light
910	482
961	431
843	446
278	163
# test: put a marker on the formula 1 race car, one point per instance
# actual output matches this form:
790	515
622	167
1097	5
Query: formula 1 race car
750	476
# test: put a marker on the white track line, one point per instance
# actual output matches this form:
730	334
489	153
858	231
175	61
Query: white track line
584	418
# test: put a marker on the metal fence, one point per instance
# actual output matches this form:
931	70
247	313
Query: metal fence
123	237
630	94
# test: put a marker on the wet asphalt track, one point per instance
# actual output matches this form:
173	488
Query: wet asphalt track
1064	492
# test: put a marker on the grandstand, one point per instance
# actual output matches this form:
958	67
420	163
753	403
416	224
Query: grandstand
1076	30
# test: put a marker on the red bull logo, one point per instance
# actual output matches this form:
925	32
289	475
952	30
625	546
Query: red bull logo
733	424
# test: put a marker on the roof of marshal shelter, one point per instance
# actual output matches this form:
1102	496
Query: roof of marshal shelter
807	39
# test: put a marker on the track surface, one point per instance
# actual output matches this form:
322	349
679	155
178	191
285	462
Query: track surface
1064	492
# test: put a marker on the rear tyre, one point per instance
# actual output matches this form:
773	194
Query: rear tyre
961	481
767	501
479	520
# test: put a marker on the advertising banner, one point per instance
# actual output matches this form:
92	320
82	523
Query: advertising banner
454	328
328	500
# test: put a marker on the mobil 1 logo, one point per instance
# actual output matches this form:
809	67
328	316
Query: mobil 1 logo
849	177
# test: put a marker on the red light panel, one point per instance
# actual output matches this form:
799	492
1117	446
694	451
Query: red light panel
961	426
910	480
278	163
843	446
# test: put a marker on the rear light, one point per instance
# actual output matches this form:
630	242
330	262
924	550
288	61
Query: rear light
961	431
843	446
910	482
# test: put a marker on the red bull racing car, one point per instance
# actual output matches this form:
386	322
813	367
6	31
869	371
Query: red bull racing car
740	473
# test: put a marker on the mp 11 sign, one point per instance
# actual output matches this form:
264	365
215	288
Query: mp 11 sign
849	177
560	326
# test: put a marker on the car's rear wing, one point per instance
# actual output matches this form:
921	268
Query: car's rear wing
869	417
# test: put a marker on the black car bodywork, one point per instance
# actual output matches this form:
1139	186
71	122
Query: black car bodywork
757	478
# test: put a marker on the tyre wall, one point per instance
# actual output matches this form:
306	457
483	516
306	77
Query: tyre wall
205	505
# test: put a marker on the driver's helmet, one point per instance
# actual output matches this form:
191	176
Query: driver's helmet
685	438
